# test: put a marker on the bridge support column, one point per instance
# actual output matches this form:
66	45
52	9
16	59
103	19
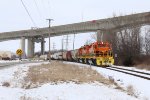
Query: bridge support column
103	35
99	35
23	47
42	46
30	48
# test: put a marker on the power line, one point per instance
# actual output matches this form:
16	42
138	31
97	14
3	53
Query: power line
37	8
67	41
28	13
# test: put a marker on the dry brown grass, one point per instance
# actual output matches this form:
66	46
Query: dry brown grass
6	84
131	91
143	66
58	72
143	62
24	97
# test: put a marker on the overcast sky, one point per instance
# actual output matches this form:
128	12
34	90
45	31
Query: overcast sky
14	17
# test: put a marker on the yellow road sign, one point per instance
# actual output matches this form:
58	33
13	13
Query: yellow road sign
19	52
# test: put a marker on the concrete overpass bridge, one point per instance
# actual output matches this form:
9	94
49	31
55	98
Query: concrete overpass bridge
100	26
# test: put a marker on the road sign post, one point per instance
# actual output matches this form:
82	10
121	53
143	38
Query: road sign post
19	52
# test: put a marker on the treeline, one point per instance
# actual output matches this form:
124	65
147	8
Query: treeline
131	44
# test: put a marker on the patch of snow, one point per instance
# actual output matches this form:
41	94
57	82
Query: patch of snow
9	61
71	91
64	91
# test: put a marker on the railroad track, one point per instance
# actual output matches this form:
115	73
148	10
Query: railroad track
128	71
131	72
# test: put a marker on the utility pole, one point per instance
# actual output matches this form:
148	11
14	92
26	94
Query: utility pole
49	20
73	41
62	48
67	42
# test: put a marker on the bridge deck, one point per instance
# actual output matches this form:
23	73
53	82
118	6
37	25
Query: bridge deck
89	26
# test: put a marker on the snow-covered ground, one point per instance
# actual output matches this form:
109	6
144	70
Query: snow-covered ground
70	91
141	86
5	61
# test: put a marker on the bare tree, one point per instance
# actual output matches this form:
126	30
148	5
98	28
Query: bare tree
126	42
147	42
125	39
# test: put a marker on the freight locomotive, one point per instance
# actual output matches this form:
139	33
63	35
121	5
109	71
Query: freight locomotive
97	53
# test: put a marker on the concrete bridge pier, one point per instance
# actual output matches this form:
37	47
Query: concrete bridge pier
23	47
30	52
103	35
99	35
42	46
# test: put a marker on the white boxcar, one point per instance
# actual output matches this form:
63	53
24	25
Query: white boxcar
74	53
57	56
43	57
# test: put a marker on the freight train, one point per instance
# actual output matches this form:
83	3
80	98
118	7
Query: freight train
97	53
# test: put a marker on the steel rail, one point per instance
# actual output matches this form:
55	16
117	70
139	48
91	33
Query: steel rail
144	77
132	70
